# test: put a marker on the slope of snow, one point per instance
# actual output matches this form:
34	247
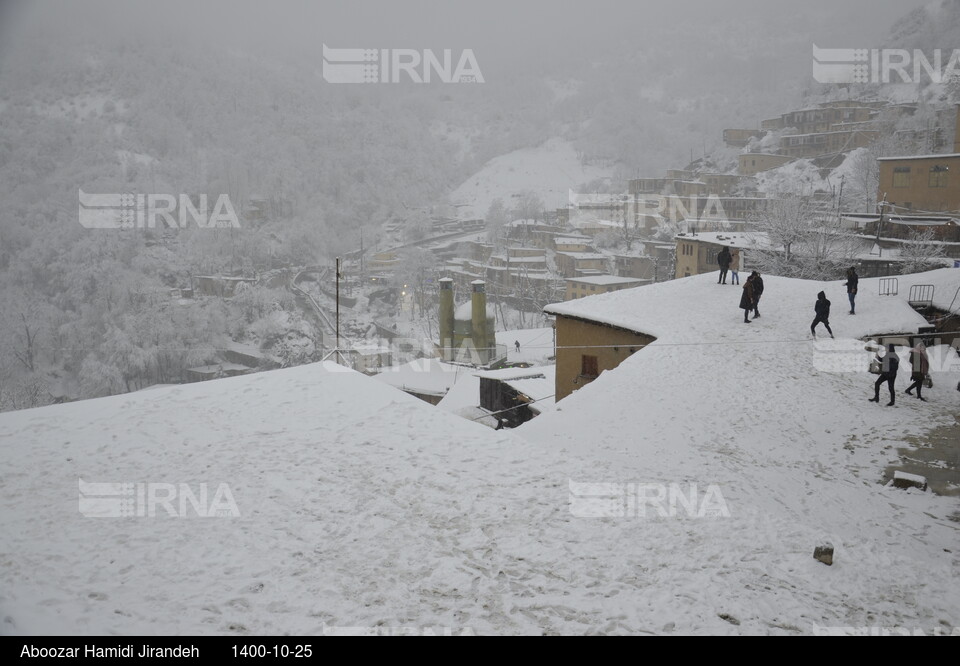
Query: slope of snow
536	345
550	170
783	427
801	177
361	506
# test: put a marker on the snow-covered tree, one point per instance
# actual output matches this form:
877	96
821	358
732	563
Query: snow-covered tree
803	240
921	252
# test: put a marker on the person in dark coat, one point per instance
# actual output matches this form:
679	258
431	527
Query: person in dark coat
757	293
822	308
889	367
852	284
746	300
919	368
724	259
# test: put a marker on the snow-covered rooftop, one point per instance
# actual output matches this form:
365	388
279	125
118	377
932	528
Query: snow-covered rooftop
780	424
607	280
665	310
919	157
742	240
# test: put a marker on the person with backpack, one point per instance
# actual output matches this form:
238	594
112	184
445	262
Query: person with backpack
822	308
919	369
889	367
724	259
852	284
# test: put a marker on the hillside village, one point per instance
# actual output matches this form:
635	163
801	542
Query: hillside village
541	400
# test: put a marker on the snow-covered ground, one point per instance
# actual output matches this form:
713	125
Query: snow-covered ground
361	506
782	426
536	345
549	170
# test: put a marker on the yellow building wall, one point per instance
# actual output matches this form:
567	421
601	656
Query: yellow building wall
576	339
918	192
699	258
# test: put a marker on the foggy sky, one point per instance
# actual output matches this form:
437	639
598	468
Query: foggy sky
503	34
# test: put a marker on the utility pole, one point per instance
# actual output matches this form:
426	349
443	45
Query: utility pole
362	275
337	353
883	209
338	302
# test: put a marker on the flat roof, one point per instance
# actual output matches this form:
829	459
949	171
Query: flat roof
945	156
583	255
604	280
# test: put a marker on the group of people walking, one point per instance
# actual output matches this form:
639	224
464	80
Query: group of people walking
888	365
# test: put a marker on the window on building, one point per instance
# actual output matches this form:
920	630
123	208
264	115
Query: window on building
589	367
938	176
901	176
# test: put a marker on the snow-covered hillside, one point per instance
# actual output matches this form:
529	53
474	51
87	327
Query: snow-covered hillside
550	170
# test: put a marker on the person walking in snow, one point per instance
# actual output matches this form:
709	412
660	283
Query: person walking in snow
889	367
517	344
724	259
735	270
746	300
919	369
757	293
852	284
822	308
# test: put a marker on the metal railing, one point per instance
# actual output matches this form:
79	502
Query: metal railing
921	296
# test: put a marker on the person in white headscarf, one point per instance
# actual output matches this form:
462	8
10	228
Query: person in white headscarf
919	369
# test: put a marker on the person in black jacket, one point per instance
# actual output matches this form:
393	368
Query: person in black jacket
757	293
724	259
852	284
889	367
822	308
746	300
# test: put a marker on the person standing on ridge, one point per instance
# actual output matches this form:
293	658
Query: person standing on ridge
735	270
757	293
852	284
746	300
724	259
822	308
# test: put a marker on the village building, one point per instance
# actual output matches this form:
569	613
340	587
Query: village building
921	184
517	395
826	143
640	267
219	285
586	348
750	164
739	138
600	284
573	244
578	264
370	359
697	254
